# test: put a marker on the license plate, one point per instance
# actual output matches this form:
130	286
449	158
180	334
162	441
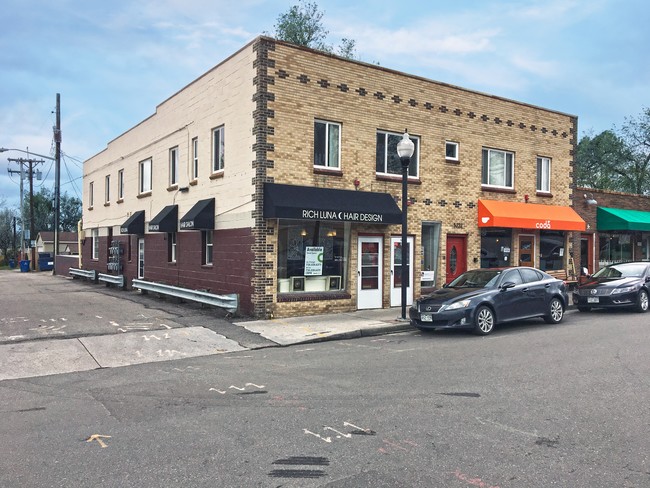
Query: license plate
593	299
426	317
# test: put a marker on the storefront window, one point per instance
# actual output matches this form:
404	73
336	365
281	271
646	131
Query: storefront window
614	248
496	248
551	250
430	248
312	256
645	247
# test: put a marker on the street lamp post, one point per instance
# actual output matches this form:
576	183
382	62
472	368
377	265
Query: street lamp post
405	148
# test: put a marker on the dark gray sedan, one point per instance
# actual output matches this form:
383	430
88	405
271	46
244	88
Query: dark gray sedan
479	299
615	286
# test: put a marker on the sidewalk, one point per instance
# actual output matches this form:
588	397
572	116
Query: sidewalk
55	356
347	325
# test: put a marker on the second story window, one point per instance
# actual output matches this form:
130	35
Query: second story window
218	149
327	144
544	175
498	168
91	194
145	176
107	189
451	151
195	158
173	166
388	162
120	184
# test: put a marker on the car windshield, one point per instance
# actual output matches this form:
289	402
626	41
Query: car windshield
621	271
476	279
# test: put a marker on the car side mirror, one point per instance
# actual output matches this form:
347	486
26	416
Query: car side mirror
506	285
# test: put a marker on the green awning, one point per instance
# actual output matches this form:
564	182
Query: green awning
622	219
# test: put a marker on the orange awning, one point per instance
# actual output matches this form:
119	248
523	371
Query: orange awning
494	213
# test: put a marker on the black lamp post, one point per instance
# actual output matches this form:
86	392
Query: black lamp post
405	149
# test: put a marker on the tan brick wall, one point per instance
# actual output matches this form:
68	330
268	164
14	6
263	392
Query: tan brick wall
310	85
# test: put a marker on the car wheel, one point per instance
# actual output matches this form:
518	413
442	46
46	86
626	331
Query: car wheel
642	301
584	309
555	312
484	320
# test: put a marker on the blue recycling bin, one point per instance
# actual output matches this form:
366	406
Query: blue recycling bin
24	265
12	263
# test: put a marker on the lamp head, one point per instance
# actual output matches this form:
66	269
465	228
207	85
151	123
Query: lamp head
405	148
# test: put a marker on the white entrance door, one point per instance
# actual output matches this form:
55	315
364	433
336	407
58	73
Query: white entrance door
396	271
369	283
140	258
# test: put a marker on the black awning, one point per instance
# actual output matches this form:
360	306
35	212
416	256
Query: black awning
311	203
166	220
200	216
134	224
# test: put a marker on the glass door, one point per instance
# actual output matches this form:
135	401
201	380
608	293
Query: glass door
396	271
370	258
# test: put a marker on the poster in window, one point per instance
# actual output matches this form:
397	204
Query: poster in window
314	260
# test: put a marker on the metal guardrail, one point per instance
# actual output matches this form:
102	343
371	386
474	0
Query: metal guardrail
111	279
229	302
84	273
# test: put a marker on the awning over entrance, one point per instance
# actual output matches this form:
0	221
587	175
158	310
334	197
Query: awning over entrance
311	203
493	213
166	220
200	216
134	224
622	219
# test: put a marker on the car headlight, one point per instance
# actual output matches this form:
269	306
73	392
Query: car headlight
625	289
457	305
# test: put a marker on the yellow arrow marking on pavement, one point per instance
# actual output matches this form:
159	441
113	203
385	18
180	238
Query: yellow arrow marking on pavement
97	437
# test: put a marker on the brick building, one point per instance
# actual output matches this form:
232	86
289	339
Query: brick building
618	228
275	176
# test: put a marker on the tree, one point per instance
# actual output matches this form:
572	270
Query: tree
618	161
7	232
69	211
302	25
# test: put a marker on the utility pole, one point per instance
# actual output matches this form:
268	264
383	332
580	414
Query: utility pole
30	162
57	179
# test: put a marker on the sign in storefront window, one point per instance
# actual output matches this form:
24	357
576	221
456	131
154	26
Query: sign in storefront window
430	249
312	256
496	247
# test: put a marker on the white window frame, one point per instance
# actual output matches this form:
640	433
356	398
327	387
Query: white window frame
172	246
145	175
455	150
208	249
543	174
414	165
107	189
91	194
94	241
195	158
509	168
330	162
120	184
173	166
218	149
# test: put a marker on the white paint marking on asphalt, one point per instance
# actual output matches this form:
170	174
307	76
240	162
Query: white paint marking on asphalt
507	427
305	350
166	326
218	391
348	424
237	357
341	433
13	338
98	316
113	323
256	386
326	439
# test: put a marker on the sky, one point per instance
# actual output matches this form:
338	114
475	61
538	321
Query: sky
113	62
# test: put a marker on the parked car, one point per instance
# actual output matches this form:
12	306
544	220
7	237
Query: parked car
479	299
615	286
